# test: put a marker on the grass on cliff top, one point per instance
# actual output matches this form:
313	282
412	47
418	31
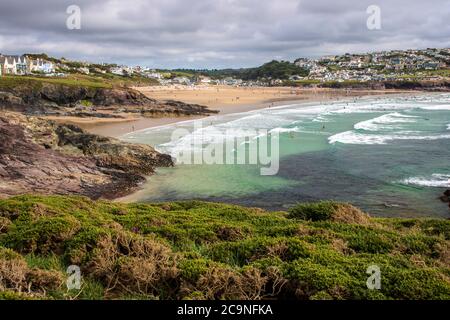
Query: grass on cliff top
198	250
9	82
95	81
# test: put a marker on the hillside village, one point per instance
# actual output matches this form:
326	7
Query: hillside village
378	66
429	64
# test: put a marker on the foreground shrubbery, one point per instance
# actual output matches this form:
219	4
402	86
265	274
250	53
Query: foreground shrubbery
197	250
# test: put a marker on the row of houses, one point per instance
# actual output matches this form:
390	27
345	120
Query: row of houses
22	65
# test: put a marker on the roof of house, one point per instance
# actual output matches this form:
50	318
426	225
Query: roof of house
11	59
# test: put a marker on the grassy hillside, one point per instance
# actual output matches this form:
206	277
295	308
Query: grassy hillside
271	70
11	82
197	250
102	81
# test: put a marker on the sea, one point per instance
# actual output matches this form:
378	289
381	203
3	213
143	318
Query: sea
389	155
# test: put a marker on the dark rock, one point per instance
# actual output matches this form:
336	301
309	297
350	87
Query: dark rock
40	156
48	98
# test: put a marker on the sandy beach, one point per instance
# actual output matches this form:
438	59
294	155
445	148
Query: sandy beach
228	99
225	99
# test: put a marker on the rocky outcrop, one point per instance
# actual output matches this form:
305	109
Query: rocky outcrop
40	156
111	153
41	98
446	197
418	85
383	85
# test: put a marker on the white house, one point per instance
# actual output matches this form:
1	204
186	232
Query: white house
205	80
21	65
84	70
40	65
8	65
181	80
154	75
14	65
122	70
117	70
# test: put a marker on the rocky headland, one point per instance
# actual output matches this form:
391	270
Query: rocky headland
41	156
77	100
419	85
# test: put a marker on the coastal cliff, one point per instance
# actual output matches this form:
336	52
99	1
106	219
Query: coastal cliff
38	97
40	156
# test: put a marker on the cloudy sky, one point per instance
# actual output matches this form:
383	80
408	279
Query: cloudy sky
218	33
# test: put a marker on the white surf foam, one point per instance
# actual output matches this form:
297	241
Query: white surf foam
285	130
436	108
373	107
435	180
321	119
385	122
352	137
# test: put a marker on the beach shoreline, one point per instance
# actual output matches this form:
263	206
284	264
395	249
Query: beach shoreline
219	99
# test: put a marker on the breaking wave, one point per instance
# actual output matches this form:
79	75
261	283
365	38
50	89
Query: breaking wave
385	122
435	180
352	137
437	108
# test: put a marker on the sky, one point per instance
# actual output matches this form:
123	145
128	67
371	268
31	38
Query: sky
218	33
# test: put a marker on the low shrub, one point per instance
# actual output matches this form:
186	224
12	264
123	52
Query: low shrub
313	211
199	250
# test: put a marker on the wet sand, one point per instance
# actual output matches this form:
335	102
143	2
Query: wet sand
119	128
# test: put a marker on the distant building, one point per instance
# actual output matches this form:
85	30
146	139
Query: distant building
205	80
21	65
181	80
41	65
122	70
117	70
430	65
154	75
14	65
84	70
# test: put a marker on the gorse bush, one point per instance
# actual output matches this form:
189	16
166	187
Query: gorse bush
313	211
199	250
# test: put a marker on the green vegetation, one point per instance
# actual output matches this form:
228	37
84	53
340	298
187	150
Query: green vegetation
313	211
302	83
345	84
11	82
272	70
441	72
86	103
198	250
94	81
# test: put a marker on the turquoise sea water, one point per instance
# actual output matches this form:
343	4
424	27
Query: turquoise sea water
389	155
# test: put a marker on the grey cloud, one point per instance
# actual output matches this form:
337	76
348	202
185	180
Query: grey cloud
218	33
